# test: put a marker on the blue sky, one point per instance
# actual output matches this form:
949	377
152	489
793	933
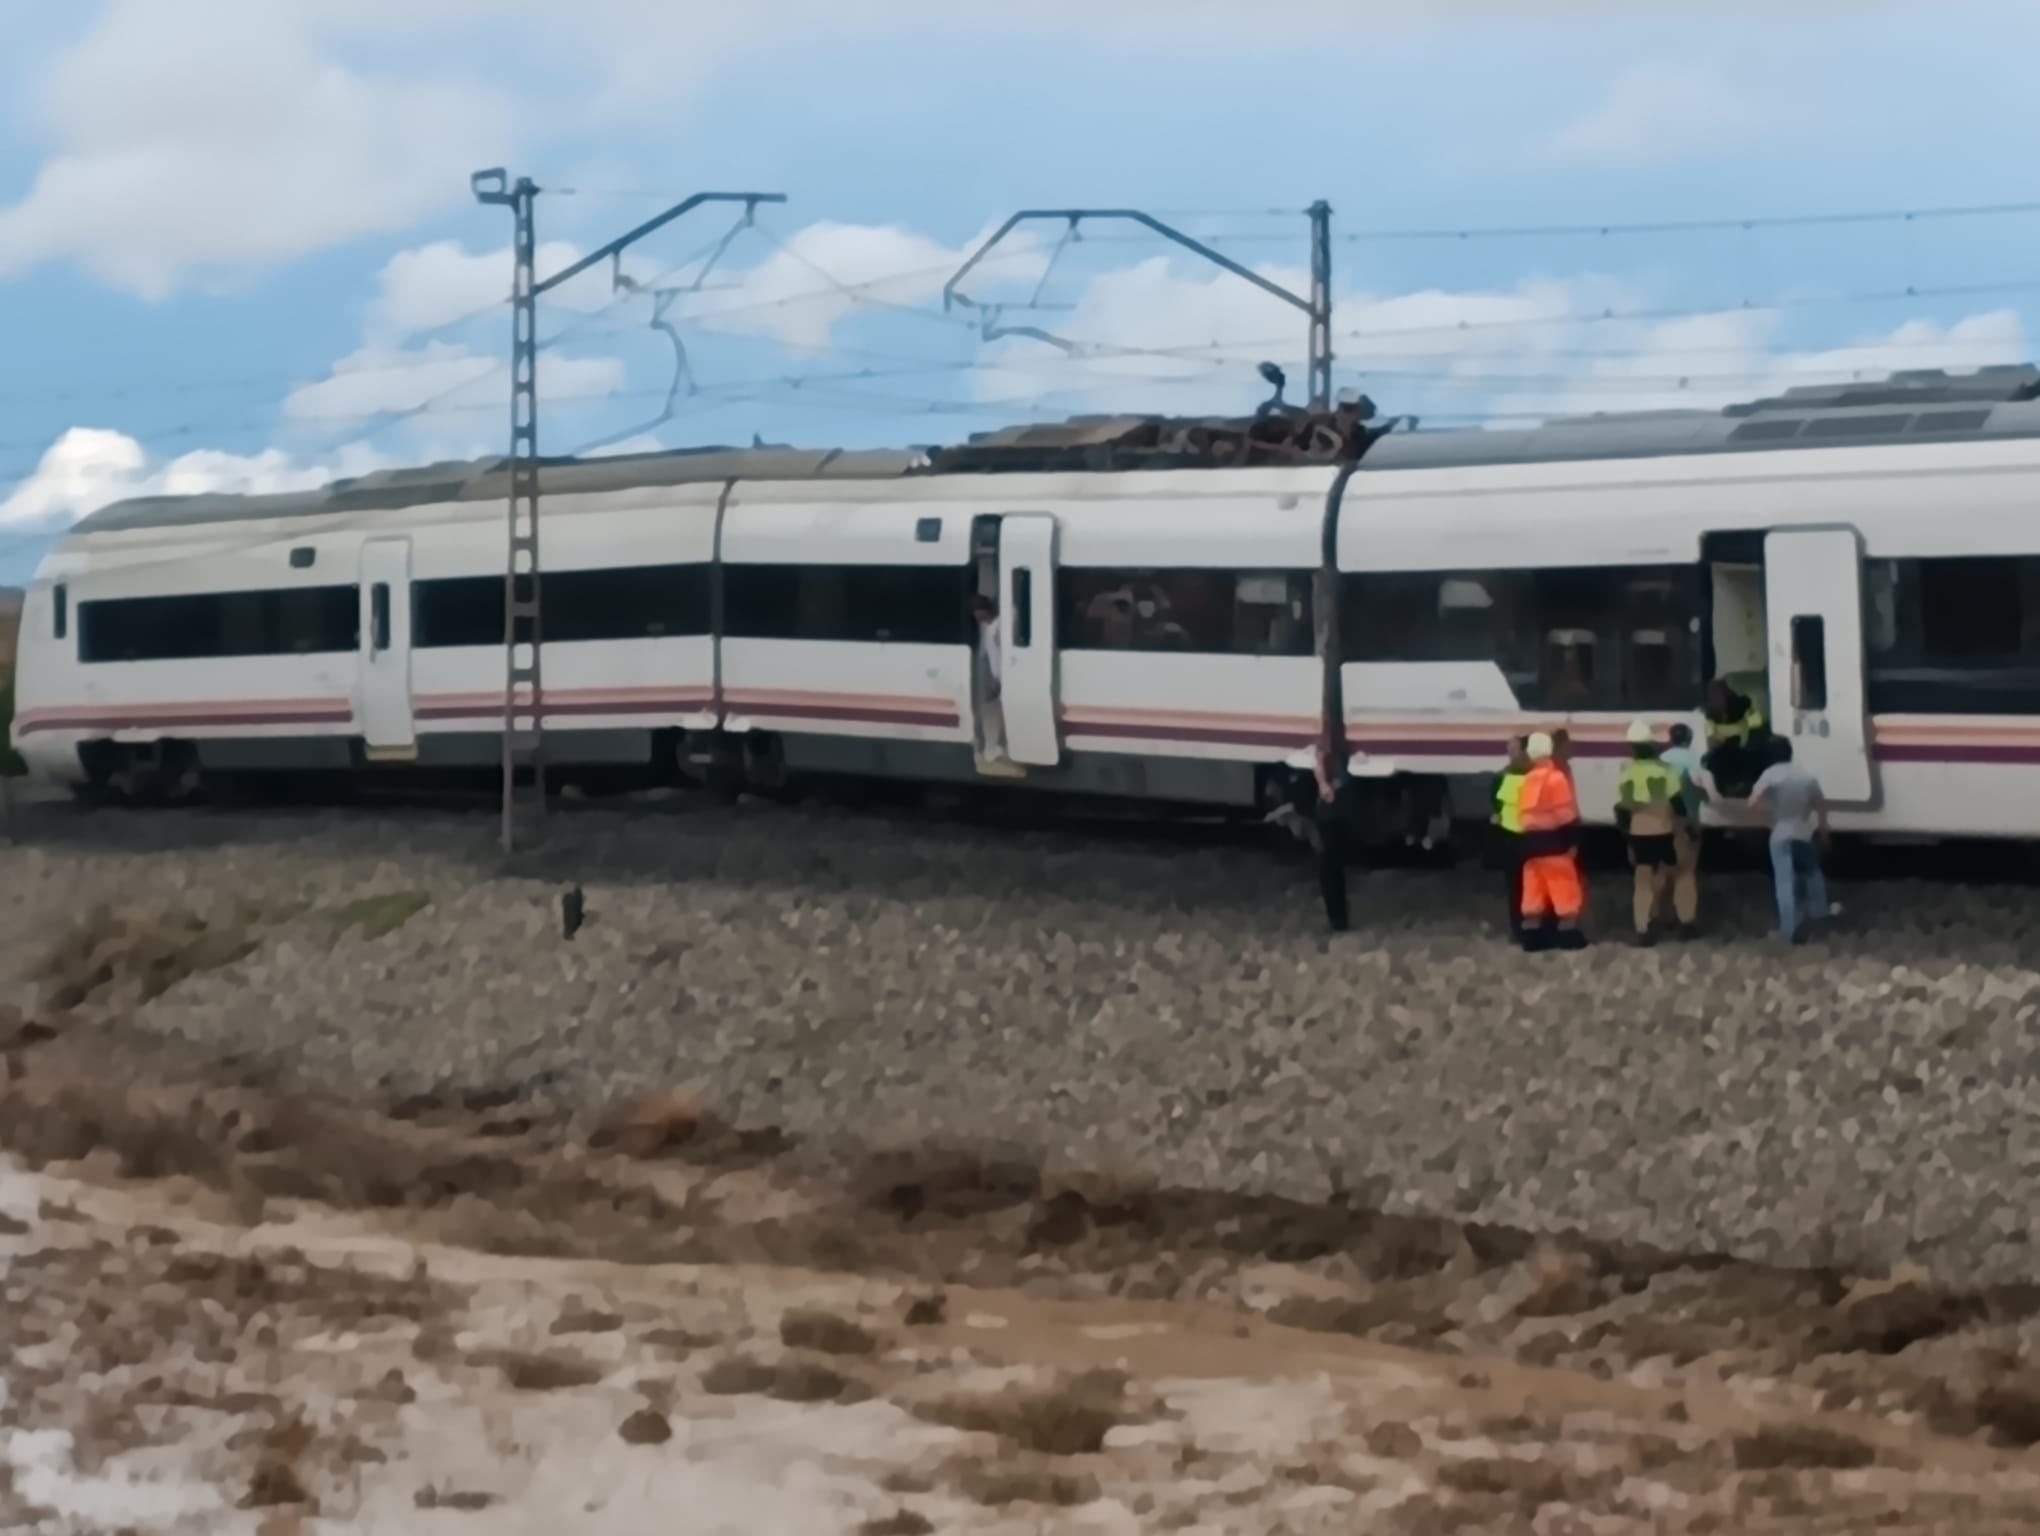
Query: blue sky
236	237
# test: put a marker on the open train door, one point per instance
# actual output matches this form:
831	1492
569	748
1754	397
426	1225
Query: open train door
1813	601
1027	637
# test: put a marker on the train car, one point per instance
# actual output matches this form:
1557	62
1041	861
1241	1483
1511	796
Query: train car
1863	562
1858	561
748	616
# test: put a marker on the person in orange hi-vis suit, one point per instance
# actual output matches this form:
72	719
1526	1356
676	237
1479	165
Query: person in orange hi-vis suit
1553	897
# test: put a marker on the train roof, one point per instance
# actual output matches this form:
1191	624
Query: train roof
1924	405
489	480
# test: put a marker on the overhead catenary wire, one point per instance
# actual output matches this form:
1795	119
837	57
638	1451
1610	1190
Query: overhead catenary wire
186	384
1464	374
1394	351
1752	223
1100	351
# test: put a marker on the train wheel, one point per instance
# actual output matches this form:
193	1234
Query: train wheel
765	772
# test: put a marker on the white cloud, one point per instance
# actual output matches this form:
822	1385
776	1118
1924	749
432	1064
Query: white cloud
224	133
193	140
87	467
1148	327
1158	334
1660	112
1161	336
439	378
429	287
1704	362
182	140
828	271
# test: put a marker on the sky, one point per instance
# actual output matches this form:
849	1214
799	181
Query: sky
239	249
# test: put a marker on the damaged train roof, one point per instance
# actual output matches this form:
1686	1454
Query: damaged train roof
1909	407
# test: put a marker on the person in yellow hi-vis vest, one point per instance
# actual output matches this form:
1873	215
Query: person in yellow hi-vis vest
1647	810
1507	821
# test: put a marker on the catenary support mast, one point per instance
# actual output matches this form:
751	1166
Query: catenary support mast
523	613
1321	304
1318	306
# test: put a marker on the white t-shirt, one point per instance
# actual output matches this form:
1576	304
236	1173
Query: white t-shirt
988	646
1791	792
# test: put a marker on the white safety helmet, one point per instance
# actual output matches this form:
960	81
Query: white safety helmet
1538	746
1640	733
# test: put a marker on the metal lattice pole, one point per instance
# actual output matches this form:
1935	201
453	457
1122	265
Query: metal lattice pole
523	680
523	688
1321	305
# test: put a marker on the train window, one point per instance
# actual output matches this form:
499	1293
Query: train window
1023	608
626	603
1271	614
60	610
856	604
457	610
379	617
1426	615
630	603
1199	612
191	626
1569	672
1880	606
1603	637
1654	666
1953	636
1809	662
1969	609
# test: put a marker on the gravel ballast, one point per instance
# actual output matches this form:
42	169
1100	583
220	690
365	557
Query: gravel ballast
1161	1008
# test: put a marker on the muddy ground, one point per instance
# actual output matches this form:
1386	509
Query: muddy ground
1170	1008
229	1308
299	1234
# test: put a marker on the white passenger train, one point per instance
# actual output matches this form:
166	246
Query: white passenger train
1866	564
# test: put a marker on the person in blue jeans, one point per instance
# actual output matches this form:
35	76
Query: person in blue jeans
1799	830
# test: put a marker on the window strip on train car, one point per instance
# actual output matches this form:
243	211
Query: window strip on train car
853	604
637	602
194	626
1953	635
1598	638
1194	612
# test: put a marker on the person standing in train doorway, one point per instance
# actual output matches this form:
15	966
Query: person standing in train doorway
990	710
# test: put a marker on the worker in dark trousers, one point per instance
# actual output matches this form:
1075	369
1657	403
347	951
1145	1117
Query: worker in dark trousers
1507	835
1331	839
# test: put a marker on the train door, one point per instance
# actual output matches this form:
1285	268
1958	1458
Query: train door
1027	643
387	729
1813	601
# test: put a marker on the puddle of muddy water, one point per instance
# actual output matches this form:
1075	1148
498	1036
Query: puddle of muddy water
1322	1372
